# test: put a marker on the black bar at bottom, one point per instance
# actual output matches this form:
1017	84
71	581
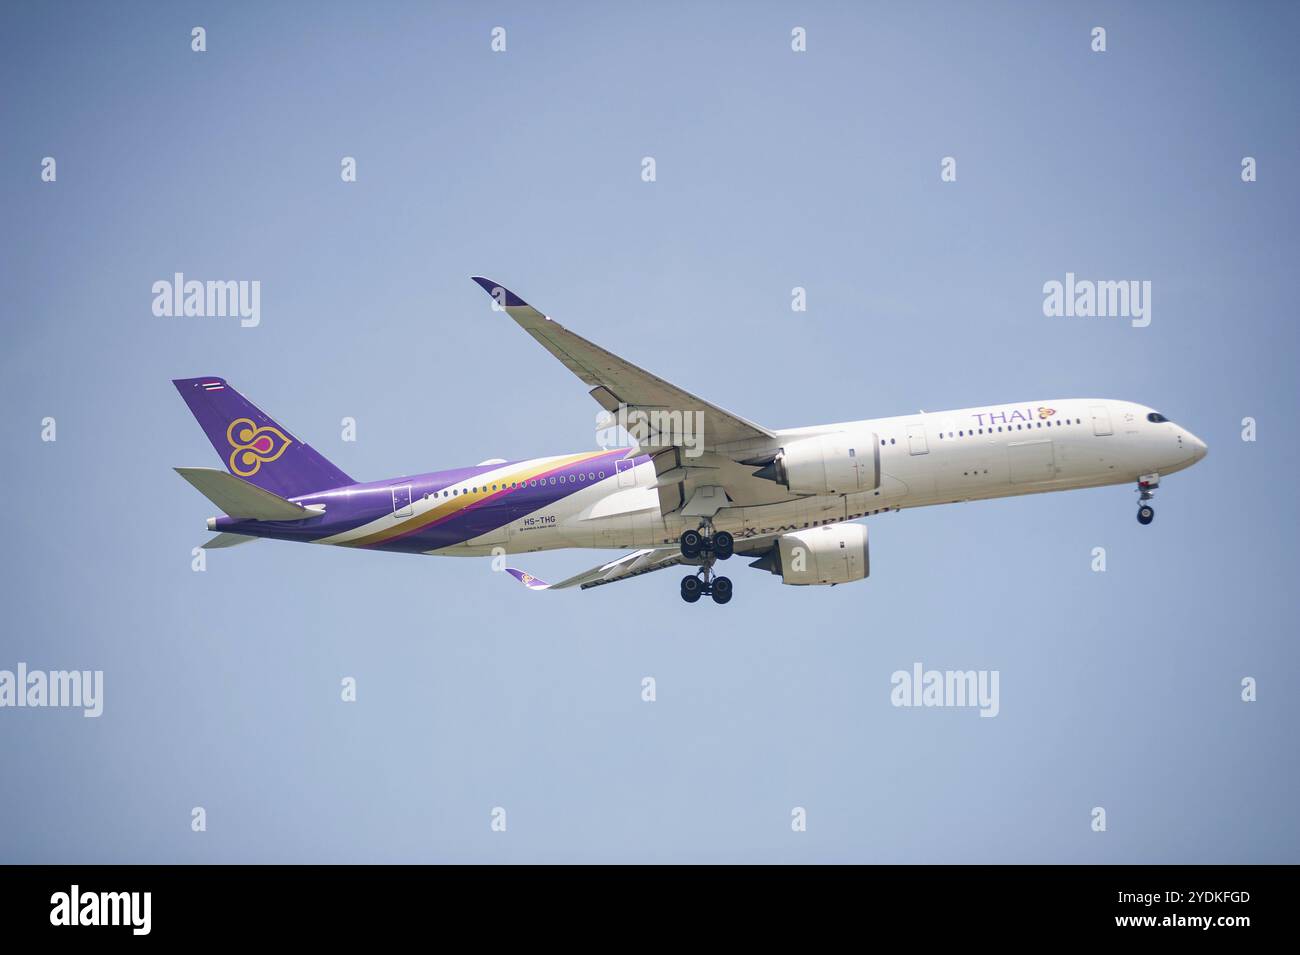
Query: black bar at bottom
374	903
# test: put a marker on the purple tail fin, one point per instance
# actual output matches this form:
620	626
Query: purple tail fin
254	447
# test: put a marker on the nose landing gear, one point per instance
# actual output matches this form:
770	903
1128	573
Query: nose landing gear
1147	485
706	547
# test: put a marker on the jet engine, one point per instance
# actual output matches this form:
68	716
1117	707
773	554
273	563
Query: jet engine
839	463
834	554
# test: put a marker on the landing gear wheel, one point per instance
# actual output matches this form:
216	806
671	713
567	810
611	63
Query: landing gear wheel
691	542
721	590
723	545
692	587
1147	485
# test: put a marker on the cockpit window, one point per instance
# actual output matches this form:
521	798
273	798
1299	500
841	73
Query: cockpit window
1157	417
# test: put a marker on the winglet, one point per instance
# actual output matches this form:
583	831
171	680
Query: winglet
527	579
500	292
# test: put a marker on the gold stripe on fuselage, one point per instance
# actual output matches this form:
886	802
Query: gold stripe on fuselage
465	499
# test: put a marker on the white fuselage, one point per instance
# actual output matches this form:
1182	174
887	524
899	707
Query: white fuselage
925	458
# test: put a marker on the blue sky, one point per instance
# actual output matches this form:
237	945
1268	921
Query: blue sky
775	169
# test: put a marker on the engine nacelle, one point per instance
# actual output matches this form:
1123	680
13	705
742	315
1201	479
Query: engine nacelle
840	463
834	554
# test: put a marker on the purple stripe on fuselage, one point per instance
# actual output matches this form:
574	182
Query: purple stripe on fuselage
356	505
503	507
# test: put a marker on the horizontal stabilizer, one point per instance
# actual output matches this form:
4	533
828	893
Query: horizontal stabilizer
227	540
238	498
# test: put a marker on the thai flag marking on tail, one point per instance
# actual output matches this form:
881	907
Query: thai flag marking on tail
250	443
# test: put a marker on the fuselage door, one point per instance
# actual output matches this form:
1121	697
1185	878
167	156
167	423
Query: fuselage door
402	501
626	469
1100	419
1030	462
916	439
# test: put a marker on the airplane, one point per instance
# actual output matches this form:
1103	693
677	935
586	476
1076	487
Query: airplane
698	486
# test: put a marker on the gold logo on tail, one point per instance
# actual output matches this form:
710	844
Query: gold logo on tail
254	445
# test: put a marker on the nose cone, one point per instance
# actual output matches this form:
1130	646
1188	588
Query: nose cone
1199	450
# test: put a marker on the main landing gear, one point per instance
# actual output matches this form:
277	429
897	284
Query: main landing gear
706	547
1147	485
699	543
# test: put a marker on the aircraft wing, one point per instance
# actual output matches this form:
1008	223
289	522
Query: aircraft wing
614	380
635	564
